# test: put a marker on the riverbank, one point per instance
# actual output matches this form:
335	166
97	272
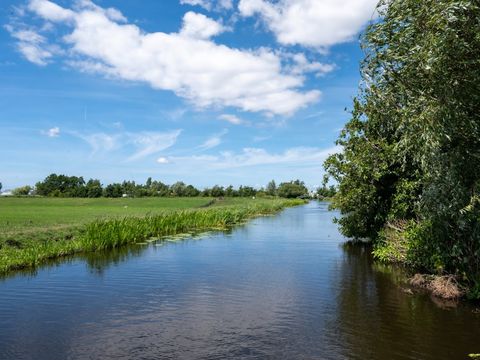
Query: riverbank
396	245
29	246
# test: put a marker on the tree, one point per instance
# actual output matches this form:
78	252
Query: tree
230	191
159	189
191	191
22	191
411	150
61	185
148	184
271	188
1	186
94	188
246	191
217	191
178	189
292	189
326	192
113	190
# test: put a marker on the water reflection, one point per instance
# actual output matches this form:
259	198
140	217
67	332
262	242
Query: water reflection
379	319
279	287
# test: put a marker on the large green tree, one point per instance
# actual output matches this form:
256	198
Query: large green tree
411	150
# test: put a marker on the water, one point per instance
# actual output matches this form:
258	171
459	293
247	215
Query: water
280	287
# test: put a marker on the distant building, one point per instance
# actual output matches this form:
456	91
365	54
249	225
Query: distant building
6	193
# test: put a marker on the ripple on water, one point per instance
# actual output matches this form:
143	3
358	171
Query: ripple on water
279	287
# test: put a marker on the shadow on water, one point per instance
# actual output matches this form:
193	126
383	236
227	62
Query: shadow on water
381	317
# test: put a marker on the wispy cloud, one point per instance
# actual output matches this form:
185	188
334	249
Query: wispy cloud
144	143
52	132
210	4
149	143
32	45
232	119
298	156
162	160
213	141
100	142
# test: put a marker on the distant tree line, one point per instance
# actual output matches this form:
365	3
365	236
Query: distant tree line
72	186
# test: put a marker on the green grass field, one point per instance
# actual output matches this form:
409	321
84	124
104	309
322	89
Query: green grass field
33	230
37	214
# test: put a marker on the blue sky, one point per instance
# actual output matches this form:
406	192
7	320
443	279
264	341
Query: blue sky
207	92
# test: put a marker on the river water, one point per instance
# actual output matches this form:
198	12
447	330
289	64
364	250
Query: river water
279	287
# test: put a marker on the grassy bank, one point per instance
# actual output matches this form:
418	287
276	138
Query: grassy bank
20	247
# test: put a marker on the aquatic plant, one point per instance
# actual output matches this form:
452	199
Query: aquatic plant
116	232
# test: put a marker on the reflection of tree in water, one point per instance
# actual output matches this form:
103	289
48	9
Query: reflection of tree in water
99	261
376	319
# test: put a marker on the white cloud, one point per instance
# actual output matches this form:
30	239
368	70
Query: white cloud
303	65
162	160
210	4
32	45
149	143
199	26
213	141
312	23
248	157
50	11
53	132
232	119
193	67
144	143
101	142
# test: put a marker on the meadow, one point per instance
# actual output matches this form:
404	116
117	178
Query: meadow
33	230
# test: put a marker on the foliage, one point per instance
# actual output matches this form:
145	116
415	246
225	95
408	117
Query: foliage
412	147
61	185
21	191
271	188
326	192
292	189
71	186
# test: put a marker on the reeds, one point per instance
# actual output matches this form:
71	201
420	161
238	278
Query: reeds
109	234
114	233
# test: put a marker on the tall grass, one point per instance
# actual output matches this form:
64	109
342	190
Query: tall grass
115	232
108	234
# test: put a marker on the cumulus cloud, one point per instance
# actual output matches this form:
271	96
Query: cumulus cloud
313	23
50	11
199	26
232	119
53	132
188	62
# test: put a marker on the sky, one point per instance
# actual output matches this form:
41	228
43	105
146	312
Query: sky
202	91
